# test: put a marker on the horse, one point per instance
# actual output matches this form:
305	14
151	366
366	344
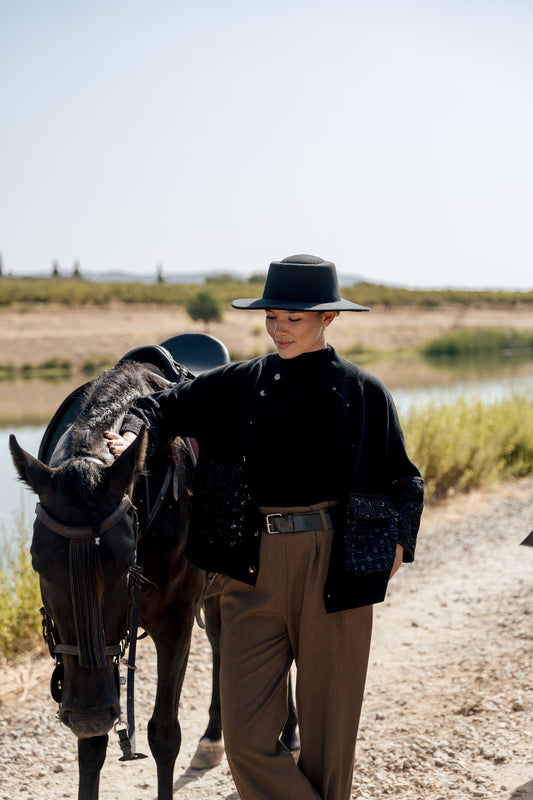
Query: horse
86	542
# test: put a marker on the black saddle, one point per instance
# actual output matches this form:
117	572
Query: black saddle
158	357
181	357
198	352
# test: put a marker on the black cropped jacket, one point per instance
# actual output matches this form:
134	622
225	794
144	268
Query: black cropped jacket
380	503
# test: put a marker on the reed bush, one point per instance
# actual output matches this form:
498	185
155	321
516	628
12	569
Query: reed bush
468	444
20	597
473	342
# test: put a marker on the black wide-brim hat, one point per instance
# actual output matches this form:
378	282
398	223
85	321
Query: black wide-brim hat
301	283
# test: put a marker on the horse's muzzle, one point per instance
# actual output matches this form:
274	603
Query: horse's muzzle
86	724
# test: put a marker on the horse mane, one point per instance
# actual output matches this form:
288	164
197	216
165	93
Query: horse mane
106	399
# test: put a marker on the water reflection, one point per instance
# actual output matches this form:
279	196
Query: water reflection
419	372
33	402
14	497
416	380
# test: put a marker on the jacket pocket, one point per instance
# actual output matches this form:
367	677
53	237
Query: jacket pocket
371	533
222	504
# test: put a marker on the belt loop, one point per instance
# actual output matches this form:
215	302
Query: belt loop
323	518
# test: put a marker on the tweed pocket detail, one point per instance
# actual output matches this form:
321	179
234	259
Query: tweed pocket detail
223	503
371	533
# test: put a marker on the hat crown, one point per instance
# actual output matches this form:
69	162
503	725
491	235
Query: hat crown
301	283
302	279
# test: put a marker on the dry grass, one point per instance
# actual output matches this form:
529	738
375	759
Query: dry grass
20	675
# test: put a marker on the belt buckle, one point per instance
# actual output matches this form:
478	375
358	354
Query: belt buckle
267	516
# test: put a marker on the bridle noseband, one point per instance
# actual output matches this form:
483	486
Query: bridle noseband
84	532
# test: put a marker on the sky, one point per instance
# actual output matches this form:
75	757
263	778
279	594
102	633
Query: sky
393	137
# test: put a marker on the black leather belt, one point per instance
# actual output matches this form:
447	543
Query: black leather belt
300	521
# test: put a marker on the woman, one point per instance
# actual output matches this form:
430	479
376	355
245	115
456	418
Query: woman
305	505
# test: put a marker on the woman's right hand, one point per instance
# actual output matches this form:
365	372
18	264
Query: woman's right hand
117	443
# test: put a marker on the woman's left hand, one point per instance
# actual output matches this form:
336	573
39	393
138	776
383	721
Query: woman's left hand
397	560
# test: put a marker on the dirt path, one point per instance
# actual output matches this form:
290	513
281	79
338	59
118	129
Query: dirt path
448	713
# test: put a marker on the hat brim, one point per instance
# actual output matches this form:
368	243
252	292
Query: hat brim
283	305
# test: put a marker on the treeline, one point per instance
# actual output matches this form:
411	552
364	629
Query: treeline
224	288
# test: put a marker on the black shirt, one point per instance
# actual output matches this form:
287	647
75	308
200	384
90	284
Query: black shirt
299	448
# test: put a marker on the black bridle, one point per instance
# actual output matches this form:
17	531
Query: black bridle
88	534
79	534
129	635
88	531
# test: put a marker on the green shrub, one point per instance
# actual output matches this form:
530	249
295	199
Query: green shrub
20	597
204	306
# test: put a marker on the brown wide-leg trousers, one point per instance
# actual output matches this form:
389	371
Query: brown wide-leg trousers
263	629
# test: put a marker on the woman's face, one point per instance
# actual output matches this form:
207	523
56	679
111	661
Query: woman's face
297	332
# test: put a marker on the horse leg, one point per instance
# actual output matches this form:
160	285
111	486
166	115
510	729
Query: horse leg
164	732
289	735
91	757
210	747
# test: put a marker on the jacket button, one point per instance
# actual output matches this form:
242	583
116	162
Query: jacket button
277	376
251	569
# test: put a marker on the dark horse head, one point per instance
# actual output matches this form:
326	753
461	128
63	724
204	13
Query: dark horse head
84	547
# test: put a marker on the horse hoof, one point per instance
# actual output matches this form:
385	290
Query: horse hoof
208	754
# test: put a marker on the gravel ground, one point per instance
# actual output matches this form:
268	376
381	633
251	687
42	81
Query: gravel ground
449	700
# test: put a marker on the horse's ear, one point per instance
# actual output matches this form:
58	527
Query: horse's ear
123	473
31	471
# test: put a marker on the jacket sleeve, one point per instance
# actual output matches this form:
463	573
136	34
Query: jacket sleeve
407	486
177	411
408	496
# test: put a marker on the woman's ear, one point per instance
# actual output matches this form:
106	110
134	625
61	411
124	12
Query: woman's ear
328	317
